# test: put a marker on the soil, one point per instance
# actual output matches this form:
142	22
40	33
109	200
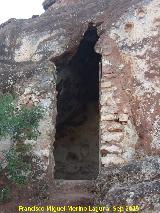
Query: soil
60	193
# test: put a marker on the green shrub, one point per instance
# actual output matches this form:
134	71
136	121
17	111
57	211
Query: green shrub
18	167
19	124
6	114
5	194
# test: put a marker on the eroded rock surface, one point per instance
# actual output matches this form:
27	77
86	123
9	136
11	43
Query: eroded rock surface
27	46
134	184
130	83
48	3
129	86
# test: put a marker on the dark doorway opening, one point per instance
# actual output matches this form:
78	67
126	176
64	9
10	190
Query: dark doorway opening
76	148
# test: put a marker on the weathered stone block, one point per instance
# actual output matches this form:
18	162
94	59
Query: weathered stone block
115	127
106	84
114	136
111	149
108	117
123	117
112	159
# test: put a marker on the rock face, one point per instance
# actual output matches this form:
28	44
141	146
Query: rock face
48	3
129	84
136	184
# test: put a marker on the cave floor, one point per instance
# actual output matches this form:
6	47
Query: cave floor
77	148
60	193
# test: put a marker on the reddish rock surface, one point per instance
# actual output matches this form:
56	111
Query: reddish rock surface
130	91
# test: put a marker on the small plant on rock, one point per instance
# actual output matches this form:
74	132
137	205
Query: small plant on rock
18	167
19	124
5	194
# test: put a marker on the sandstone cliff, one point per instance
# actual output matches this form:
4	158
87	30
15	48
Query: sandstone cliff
128	42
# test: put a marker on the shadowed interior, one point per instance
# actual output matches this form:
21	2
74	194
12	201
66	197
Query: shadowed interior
76	149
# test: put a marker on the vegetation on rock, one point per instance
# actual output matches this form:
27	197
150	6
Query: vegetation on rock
5	194
20	124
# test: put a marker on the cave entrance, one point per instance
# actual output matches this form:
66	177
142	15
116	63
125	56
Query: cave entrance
76	148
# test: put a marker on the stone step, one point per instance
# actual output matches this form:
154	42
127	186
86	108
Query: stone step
79	186
73	199
72	193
